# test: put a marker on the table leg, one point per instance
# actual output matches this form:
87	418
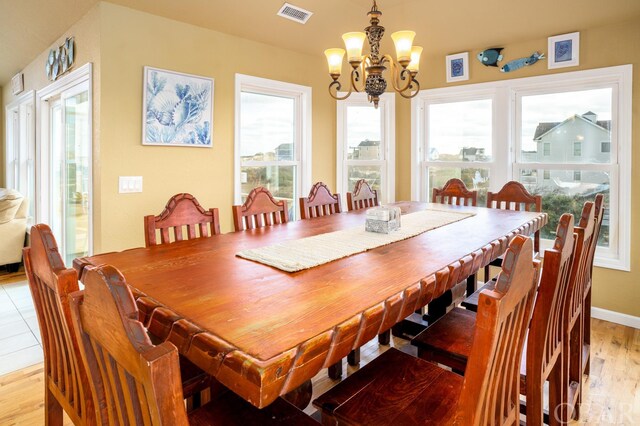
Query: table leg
300	396
472	283
354	357
385	338
335	370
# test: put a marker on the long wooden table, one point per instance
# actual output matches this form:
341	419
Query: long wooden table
263	332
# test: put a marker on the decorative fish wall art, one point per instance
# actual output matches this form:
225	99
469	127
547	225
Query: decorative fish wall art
516	64
490	57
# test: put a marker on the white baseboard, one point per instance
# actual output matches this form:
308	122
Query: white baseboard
616	317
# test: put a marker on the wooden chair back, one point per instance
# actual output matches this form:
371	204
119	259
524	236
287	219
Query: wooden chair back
455	192
135	382
320	202
581	264
66	382
363	197
260	209
598	206
514	196
545	339
490	393
182	213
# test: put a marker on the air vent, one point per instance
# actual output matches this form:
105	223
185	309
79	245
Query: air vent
294	13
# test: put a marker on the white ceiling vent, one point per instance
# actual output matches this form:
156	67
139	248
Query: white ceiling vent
294	13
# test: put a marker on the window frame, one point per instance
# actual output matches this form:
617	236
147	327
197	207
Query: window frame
303	134
387	105
506	122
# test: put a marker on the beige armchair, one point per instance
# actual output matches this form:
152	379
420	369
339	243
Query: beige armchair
13	227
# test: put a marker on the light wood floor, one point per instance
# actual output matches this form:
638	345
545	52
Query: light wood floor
611	394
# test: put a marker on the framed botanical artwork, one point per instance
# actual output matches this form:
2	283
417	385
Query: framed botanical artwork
458	67
564	50
177	109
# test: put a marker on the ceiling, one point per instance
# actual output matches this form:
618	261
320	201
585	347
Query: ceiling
28	27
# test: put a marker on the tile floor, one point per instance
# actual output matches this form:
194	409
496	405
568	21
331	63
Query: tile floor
20	344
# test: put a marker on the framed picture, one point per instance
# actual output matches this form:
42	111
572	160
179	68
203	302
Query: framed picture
177	109
458	67
564	51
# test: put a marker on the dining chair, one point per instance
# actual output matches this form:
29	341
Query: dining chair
66	383
362	197
573	339
512	196
450	340
182	211
260	209
399	389
586	307
455	192
320	202
136	382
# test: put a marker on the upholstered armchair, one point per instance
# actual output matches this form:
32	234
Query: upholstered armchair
13	227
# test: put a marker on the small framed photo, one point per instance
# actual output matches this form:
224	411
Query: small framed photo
564	50
177	109
458	67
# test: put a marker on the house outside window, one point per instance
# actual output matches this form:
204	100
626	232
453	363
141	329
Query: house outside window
530	115
366	145
273	139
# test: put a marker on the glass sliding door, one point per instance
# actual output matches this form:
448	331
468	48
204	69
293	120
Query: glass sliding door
67	156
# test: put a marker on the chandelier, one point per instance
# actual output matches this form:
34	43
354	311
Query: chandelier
366	73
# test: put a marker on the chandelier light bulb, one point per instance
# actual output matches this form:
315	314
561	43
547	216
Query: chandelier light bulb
354	42
334	60
414	65
403	41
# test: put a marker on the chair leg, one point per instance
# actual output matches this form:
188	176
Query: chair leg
487	271
354	358
556	389
384	338
535	395
586	318
52	408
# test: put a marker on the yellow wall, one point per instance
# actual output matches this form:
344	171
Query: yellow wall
599	47
130	40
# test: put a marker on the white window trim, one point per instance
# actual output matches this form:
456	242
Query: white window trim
508	112
78	76
302	94
388	107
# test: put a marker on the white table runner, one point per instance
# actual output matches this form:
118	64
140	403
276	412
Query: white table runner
304	253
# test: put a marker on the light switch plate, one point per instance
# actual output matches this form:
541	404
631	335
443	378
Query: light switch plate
129	184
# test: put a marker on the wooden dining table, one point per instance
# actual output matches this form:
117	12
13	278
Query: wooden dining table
263	332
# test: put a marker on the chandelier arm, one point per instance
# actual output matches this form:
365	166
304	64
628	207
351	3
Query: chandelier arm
411	86
396	76
335	84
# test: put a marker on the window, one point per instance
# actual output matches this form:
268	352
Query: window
577	149
273	139
366	145
585	116
20	149
458	142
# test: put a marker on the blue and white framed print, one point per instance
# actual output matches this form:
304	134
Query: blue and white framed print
564	50
458	67
177	109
